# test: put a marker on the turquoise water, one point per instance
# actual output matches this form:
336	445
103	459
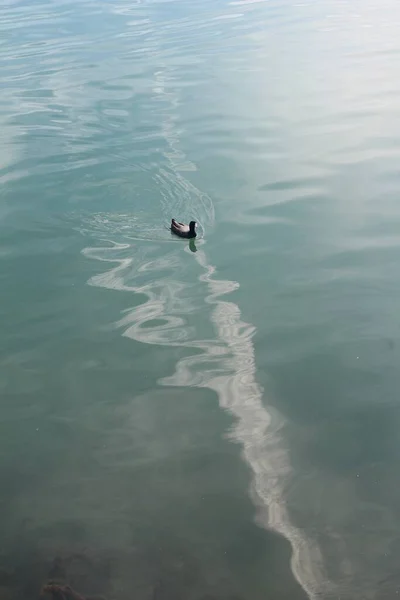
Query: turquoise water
217	420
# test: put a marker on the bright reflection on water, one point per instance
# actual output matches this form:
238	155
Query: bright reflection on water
219	418
225	363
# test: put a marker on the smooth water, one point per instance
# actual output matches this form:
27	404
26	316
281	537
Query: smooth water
208	420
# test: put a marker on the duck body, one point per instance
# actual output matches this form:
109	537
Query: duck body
182	230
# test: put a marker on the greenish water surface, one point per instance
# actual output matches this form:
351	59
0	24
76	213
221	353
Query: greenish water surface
208	420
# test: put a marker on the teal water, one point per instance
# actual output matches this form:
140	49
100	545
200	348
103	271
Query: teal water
218	420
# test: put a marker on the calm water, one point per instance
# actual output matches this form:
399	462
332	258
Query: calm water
217	420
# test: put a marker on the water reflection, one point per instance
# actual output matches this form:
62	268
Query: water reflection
222	361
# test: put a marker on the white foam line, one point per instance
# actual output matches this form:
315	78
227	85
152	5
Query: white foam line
227	366
263	446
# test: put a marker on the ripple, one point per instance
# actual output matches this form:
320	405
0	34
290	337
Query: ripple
285	113
224	363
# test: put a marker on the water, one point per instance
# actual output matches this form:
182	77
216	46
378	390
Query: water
217	420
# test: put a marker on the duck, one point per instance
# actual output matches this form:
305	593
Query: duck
182	230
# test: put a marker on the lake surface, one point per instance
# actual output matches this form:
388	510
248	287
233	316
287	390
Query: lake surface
210	420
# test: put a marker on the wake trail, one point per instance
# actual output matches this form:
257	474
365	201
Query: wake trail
224	363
